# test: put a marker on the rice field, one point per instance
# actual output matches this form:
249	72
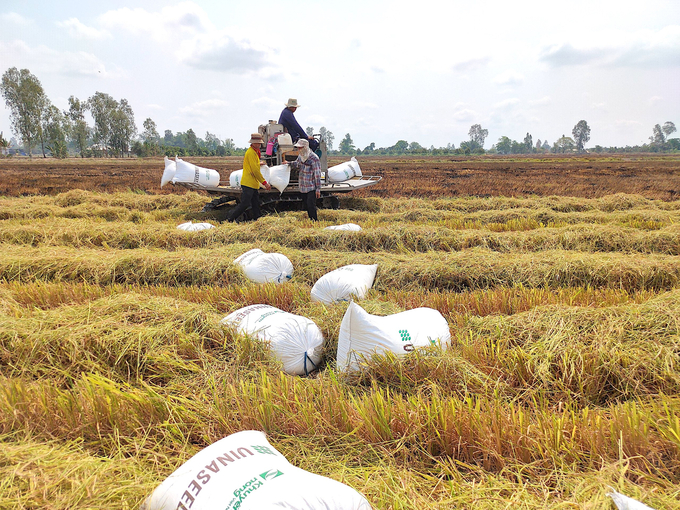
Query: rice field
561	382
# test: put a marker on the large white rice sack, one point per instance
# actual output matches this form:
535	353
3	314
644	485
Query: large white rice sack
169	172
236	176
279	177
295	340
195	227
262	267
344	282
625	503
363	334
349	227
244	472
344	171
188	172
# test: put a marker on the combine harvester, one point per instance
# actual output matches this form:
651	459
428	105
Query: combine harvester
285	192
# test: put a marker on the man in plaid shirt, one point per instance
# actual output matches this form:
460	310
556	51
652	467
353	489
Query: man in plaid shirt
309	167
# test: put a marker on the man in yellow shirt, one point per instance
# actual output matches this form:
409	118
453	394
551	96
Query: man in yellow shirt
251	180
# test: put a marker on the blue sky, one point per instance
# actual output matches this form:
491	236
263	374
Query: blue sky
382	71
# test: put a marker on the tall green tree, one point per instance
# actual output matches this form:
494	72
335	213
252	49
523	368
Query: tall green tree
150	133
123	128
477	136
191	140
54	132
150	137
26	101
309	130
564	144
4	145
504	145
400	147
668	128
369	148
658	137
529	142
346	145
212	142
114	123
581	133
77	128
102	106
327	136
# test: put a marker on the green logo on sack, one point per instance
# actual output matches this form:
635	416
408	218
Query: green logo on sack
271	474
405	337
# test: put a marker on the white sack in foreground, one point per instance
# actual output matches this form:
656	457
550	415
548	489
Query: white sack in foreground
344	171
295	340
625	503
262	267
363	334
236	176
195	227
244	472
169	172
188	172
344	282
350	227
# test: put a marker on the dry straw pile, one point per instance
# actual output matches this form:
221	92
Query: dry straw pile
563	377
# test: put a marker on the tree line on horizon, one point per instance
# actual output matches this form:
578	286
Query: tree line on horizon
39	124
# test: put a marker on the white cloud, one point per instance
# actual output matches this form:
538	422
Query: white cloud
507	103
224	54
78	30
471	64
541	102
269	103
43	59
190	34
176	22
14	18
154	107
465	115
509	78
204	108
363	105
639	49
654	100
315	120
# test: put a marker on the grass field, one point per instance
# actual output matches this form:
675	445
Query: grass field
561	290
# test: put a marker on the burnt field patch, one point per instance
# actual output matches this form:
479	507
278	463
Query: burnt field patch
589	176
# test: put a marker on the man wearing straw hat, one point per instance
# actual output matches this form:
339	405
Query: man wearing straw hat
251	180
287	119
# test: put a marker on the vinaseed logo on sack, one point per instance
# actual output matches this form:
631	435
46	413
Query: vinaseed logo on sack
406	337
250	486
225	460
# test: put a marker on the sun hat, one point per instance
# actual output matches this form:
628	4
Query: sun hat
292	103
256	138
301	143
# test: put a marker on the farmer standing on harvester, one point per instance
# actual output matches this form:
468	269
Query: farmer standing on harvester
287	119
